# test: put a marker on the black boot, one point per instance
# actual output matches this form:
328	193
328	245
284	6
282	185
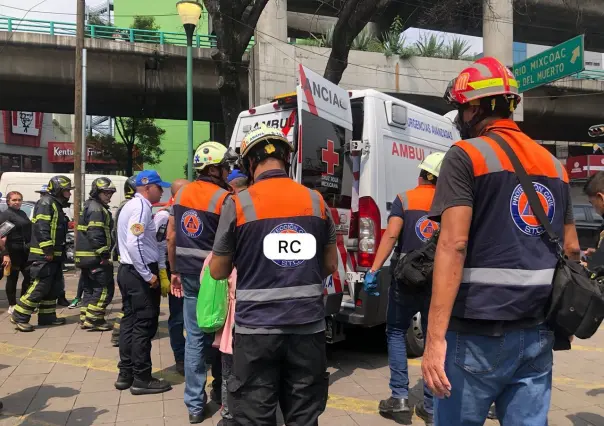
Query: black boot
492	413
394	405
124	381
151	386
62	301
51	321
22	326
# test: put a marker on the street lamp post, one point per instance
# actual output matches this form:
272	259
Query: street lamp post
189	12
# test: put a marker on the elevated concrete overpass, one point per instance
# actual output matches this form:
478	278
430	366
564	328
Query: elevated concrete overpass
546	22
138	79
124	79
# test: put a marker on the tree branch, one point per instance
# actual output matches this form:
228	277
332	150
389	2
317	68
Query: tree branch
119	123
352	19
247	31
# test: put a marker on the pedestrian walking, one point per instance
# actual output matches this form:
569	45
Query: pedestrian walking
279	344
487	339
138	279
17	248
175	320
47	250
93	256
196	211
408	229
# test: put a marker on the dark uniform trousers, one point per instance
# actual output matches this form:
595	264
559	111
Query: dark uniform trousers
98	289
43	292
140	305
284	369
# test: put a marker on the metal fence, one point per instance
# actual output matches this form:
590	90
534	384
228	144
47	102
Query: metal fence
107	32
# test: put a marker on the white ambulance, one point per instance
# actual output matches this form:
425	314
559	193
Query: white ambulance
359	149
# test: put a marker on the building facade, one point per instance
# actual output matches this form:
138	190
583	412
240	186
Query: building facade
174	141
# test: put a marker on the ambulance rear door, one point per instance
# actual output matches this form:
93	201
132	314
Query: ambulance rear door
325	131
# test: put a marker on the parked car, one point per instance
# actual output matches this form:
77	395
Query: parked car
588	224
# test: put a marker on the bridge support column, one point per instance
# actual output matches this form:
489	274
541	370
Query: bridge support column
498	35
272	63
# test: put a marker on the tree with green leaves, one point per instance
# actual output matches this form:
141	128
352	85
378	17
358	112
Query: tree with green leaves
138	136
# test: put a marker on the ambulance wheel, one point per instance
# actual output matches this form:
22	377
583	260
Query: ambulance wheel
415	338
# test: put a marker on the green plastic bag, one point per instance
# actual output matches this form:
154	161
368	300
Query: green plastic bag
212	303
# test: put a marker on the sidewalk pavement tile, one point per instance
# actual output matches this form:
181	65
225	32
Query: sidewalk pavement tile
128	398
82	416
97	385
62	373
101	399
34	366
132	412
159	421
52	344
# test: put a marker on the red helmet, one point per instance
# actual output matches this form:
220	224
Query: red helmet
485	78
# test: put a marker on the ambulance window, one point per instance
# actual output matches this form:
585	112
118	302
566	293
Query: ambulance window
325	167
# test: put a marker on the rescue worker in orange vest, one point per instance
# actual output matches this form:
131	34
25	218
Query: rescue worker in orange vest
408	229
193	223
487	340
279	344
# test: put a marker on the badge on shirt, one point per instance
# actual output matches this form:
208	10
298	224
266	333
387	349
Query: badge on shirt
137	229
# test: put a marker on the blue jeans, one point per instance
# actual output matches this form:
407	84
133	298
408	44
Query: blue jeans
175	327
401	309
195	366
514	371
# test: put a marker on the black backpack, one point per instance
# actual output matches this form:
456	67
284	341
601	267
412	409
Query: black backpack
414	270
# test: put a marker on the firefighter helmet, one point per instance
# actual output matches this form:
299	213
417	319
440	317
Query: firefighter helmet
209	153
432	163
101	184
58	184
485	78
265	134
130	187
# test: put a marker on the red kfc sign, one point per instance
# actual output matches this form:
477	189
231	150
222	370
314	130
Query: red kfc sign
62	152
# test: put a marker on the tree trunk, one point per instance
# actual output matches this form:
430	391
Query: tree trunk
130	160
229	87
351	20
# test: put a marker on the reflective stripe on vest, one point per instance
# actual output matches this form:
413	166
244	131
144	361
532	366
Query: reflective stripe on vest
197	208
510	264
275	293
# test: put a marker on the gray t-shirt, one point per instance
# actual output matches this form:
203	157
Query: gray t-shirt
225	244
455	185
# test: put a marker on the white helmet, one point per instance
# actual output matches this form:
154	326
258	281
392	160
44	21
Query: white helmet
432	163
208	154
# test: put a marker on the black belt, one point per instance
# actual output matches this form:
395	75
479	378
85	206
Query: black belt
491	328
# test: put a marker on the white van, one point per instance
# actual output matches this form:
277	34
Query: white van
359	168
28	183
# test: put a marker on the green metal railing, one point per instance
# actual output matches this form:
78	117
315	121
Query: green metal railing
590	75
107	32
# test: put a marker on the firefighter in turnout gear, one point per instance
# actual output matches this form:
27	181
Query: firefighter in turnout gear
49	231
279	353
195	215
93	253
129	191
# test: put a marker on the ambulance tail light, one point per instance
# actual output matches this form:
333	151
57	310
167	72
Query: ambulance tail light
370	231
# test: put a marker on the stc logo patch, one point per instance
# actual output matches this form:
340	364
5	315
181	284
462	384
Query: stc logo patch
191	224
425	228
523	215
288	245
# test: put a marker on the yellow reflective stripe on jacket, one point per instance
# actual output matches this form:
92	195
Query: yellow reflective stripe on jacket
82	228
97	224
41	217
85	253
102	249
53	224
46	244
36	250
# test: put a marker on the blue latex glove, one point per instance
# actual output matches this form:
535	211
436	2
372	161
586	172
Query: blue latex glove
370	283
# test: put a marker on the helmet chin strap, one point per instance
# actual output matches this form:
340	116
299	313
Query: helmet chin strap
465	129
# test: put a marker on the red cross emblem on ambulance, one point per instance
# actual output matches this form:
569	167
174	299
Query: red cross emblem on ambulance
330	157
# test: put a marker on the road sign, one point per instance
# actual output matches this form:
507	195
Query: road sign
560	61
